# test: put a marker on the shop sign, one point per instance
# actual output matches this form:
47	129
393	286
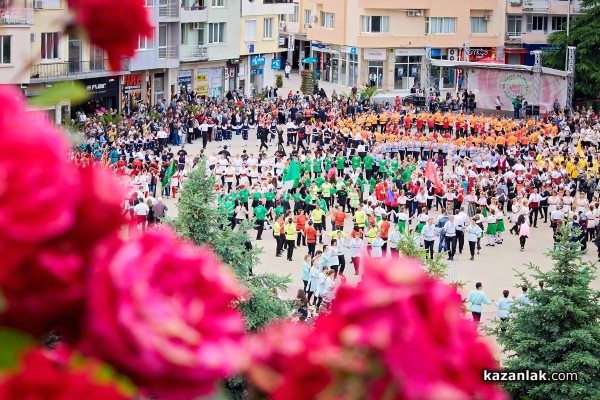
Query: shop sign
257	60
375	54
409	52
185	77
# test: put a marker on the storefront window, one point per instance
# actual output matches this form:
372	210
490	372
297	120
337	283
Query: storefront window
407	72
353	69
376	73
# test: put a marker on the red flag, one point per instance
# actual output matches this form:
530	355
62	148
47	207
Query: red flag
432	175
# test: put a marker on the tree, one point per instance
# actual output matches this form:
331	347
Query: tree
200	220
583	34
559	331
279	81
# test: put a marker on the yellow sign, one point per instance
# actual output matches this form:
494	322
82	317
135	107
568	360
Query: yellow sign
201	77
202	89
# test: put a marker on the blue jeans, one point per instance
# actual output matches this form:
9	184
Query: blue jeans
167	190
442	243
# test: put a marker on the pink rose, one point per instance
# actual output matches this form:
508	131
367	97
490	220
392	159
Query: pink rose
52	214
160	311
38	189
281	365
398	335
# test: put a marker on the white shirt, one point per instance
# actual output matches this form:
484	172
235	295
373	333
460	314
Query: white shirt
429	232
141	209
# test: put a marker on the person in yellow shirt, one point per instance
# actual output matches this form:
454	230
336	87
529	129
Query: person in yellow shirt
360	217
290	236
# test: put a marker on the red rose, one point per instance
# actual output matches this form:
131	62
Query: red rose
114	25
41	378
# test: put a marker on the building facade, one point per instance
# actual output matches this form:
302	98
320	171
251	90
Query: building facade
209	46
260	46
529	22
354	40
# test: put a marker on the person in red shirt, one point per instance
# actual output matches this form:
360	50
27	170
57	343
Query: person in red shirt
339	218
310	234
300	225
384	230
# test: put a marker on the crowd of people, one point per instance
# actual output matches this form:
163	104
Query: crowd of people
345	177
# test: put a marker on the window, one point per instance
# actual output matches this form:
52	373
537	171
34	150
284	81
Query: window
537	23
50	45
478	25
5	44
307	17
559	23
268	28
514	25
327	20
294	17
149	3
435	25
375	24
250	30
216	33
145	43
96	58
218	3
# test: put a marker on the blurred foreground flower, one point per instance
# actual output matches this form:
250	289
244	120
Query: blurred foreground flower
41	377
397	335
52	215
114	25
160	311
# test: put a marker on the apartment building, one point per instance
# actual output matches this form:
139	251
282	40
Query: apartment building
209	46
260	45
529	22
293	32
355	39
36	55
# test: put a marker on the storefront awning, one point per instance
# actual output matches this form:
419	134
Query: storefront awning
515	51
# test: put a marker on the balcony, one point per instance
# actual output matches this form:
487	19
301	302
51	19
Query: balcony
536	6
168	52
169	12
193	52
72	69
513	38
16	16
189	15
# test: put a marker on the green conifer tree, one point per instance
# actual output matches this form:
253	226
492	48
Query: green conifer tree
559	331
200	220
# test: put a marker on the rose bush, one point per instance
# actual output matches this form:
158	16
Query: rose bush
41	378
160	311
399	334
114	25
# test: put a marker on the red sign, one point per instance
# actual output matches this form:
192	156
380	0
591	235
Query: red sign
132	80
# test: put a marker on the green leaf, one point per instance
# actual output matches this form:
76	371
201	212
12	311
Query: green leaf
12	344
75	92
106	374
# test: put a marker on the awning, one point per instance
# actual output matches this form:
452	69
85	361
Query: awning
515	51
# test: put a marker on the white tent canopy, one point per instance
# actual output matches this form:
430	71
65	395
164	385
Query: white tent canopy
504	67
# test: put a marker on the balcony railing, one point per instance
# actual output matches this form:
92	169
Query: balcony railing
72	69
538	6
193	52
168	52
16	16
170	10
279	1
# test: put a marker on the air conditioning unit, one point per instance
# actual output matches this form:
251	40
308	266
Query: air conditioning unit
315	19
489	17
282	25
452	54
307	25
38	4
32	37
196	25
414	13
